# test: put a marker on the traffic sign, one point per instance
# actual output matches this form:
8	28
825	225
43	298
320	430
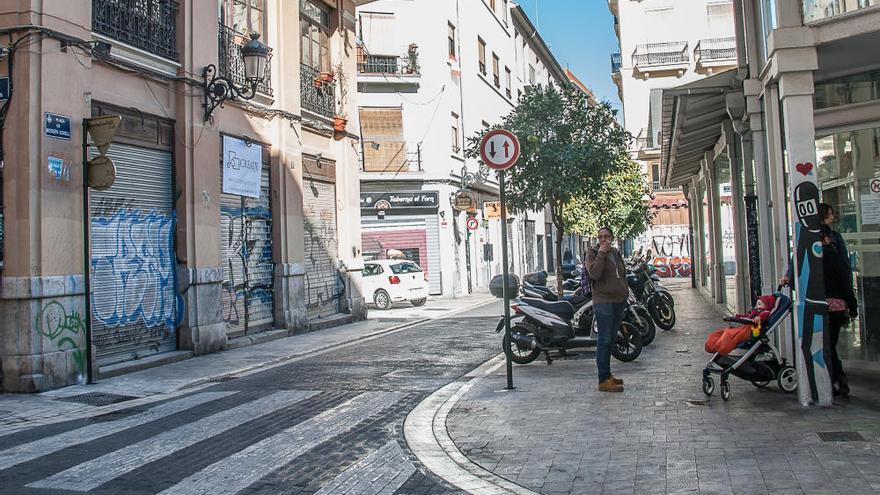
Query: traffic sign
473	223
875	186
499	149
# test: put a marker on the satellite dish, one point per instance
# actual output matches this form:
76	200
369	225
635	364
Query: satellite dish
102	173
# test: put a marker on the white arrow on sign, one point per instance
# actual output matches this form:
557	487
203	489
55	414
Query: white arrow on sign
499	149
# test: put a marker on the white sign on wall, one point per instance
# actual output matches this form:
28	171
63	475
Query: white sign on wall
242	165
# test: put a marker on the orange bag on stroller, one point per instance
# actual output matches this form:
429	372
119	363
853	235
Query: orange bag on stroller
725	340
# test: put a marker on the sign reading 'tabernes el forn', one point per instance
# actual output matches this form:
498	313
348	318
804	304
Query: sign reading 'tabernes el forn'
242	165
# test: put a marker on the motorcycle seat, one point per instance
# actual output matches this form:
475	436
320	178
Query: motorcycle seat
563	309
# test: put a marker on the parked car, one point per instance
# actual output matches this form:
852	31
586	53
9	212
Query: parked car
391	281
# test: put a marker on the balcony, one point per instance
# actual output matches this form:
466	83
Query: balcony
710	54
316	98
388	64
815	10
149	25
616	63
661	57
230	63
390	157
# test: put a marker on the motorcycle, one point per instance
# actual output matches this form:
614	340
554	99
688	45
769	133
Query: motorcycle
636	314
543	326
658	301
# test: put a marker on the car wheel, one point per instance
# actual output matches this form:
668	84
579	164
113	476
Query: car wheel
419	302
382	300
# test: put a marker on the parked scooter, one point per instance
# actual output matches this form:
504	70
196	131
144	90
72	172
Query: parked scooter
657	300
543	326
637	315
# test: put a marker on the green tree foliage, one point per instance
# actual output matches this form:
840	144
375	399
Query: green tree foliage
617	204
567	148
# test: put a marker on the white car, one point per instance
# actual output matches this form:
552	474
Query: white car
390	281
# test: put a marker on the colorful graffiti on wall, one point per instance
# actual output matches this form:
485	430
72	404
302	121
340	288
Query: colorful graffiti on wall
248	264
65	330
672	255
133	270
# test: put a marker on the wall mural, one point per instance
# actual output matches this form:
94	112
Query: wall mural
672	255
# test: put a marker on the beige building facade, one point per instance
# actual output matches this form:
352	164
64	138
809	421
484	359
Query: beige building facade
221	228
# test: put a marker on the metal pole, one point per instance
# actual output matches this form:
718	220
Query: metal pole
87	253
505	273
467	254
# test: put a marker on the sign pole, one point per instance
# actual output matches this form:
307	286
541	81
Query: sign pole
467	255
505	274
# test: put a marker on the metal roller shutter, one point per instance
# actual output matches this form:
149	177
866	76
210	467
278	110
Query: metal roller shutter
135	305
246	250
324	285
435	279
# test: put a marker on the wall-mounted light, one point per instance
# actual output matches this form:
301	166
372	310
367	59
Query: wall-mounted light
219	88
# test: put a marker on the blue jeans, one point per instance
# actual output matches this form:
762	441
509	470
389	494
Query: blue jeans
609	316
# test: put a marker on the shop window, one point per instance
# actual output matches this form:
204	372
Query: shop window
856	88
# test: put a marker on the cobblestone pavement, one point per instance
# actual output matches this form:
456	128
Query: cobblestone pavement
556	434
329	423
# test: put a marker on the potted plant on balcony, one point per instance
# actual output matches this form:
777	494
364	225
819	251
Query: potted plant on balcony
324	77
340	120
412	59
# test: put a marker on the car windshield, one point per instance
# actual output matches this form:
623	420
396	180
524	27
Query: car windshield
399	268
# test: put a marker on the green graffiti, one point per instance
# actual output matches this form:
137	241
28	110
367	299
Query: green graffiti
60	327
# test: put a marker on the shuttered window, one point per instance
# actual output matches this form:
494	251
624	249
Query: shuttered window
385	148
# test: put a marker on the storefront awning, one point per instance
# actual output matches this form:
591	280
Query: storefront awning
692	117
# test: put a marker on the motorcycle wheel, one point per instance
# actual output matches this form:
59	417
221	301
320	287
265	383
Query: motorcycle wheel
646	325
520	355
627	345
662	313
666	296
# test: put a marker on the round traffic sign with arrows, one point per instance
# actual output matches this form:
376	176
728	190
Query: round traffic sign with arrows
499	149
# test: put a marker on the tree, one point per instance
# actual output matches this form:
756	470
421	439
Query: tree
619	204
566	148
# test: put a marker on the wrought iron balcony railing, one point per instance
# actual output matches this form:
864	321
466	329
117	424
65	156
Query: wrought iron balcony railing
651	54
616	63
231	63
146	24
317	97
715	50
389	64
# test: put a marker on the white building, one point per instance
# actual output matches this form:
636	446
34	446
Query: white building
697	39
431	75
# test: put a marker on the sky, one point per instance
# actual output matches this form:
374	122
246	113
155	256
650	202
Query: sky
580	34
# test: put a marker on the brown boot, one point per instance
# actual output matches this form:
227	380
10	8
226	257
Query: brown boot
616	380
609	386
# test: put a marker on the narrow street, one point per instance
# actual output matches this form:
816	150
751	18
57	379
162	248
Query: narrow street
330	423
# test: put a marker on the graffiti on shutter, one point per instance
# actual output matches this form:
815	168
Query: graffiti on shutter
134	301
325	287
530	245
247	296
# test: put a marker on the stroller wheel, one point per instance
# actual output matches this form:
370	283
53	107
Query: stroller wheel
725	391
708	386
760	383
787	379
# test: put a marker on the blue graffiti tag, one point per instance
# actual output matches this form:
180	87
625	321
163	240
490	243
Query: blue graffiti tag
133	269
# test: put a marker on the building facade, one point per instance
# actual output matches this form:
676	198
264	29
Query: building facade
431	76
224	226
697	40
800	112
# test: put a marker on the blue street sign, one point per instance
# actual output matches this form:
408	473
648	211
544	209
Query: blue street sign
4	88
57	126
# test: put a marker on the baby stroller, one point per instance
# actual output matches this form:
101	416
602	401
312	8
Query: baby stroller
756	360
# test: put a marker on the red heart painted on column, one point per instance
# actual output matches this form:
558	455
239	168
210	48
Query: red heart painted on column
804	168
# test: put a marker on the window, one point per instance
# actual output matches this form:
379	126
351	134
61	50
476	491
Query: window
507	81
481	53
244	16
504	11
496	77
492	5
383	126
315	31
456	139
531	75
400	268
485	125
451	41
655	176
371	270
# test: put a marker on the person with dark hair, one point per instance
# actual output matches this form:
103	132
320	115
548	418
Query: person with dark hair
610	291
842	306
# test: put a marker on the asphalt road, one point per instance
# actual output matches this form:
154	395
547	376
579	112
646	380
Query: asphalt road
331	423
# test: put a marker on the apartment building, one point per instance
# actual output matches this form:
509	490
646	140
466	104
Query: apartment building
801	113
431	76
228	212
697	40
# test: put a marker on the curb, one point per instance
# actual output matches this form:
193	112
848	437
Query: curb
426	435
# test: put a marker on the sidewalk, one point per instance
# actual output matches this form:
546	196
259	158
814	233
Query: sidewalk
19	412
556	434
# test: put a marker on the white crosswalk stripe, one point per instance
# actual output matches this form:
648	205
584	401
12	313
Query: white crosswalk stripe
94	473
241	470
381	473
45	446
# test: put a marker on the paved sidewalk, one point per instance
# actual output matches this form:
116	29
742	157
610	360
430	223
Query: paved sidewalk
556	434
19	411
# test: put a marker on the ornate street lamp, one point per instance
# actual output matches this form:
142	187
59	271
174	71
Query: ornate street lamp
219	88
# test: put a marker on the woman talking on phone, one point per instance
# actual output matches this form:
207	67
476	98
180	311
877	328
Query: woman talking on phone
608	280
